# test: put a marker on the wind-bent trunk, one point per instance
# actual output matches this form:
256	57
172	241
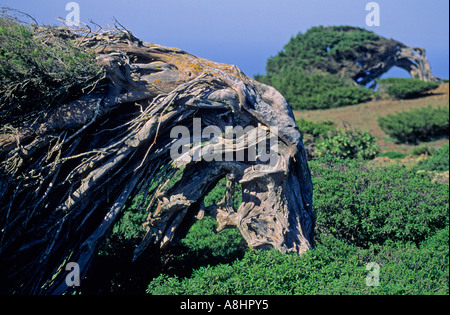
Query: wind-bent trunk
66	178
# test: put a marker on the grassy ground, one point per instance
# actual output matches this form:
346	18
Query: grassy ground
364	116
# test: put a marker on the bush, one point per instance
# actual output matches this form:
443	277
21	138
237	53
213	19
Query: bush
333	267
327	140
270	273
401	88
393	155
316	91
203	244
422	124
438	162
346	143
390	216
208	246
315	129
366	206
421	150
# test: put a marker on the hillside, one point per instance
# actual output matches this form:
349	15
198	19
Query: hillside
364	116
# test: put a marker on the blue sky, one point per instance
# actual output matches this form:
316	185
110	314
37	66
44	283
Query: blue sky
247	32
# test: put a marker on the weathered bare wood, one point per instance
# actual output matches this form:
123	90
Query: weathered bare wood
66	178
374	59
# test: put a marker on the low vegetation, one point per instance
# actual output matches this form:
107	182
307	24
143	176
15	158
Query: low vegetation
437	162
330	141
347	143
306	90
423	124
402	88
392	216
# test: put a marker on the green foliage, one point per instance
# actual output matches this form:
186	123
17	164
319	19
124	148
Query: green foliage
346	143
423	124
128	231
338	143
393	155
402	88
421	150
318	46
390	216
204	243
303	71
315	129
438	162
317	90
217	193
333	267
39	70
366	206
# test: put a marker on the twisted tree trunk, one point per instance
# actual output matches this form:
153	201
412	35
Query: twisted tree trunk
66	177
370	61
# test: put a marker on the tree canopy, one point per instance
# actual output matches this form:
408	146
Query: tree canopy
330	66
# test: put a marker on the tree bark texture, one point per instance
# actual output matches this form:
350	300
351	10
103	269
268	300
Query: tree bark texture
66	177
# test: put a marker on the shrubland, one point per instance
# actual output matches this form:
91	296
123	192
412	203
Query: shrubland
391	216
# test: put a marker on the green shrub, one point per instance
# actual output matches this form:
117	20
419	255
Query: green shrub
393	155
204	243
316	91
438	162
315	129
390	216
367	206
333	267
346	143
217	193
422	124
401	88
421	150
127	232
272	273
